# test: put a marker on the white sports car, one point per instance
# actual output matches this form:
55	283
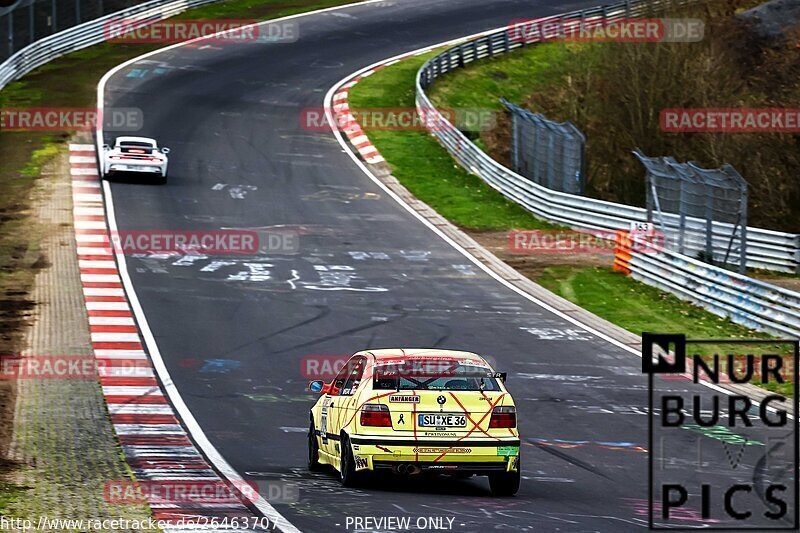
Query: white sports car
135	154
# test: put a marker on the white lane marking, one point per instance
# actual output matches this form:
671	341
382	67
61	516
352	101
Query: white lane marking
107	306
91	211
80	184
149	429
177	451
124	371
90	224
94	251
136	409
115	337
74	147
90	291
100	278
278	521
114	390
93	237
89	198
111	320
82	263
83	171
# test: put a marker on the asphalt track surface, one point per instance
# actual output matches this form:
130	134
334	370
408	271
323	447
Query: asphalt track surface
233	330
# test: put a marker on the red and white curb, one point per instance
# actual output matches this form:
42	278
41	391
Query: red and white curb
340	108
155	444
353	130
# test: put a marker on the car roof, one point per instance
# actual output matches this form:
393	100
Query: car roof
388	354
122	140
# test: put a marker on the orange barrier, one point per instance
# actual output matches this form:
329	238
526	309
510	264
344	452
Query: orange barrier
622	252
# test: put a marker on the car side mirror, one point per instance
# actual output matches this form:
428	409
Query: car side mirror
165	151
106	147
319	387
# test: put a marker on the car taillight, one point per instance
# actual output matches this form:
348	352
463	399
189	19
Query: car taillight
503	417
373	414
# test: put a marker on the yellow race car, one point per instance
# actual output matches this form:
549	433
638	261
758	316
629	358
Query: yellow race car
415	411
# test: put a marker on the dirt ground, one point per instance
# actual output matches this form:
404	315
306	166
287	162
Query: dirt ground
532	265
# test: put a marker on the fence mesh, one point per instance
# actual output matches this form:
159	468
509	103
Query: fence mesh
549	153
699	197
26	21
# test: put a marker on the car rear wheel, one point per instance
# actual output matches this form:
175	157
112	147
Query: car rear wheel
163	179
313	448
347	465
505	483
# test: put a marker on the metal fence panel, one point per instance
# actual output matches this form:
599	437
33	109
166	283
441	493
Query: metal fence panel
547	152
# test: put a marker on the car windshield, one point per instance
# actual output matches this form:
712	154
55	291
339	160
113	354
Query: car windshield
437	375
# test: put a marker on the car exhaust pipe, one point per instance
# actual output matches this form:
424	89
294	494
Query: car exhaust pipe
404	469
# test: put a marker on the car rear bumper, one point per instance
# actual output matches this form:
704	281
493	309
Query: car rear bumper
478	456
142	169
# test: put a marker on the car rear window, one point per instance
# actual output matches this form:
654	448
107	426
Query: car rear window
446	376
136	148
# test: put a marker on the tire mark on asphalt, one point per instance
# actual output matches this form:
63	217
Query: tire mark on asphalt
341	334
324	311
571	460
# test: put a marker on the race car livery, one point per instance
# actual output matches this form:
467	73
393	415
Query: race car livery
416	411
138	155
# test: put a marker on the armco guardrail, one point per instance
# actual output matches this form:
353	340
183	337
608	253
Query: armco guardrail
86	34
746	301
766	249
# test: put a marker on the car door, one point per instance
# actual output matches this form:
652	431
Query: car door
343	405
325	413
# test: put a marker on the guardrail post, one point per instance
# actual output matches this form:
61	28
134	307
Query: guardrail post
797	254
10	16
53	17
682	223
78	11
460	55
515	141
709	225
31	24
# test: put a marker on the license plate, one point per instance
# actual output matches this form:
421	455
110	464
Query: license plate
441	420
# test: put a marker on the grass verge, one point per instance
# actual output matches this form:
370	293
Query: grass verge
428	171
